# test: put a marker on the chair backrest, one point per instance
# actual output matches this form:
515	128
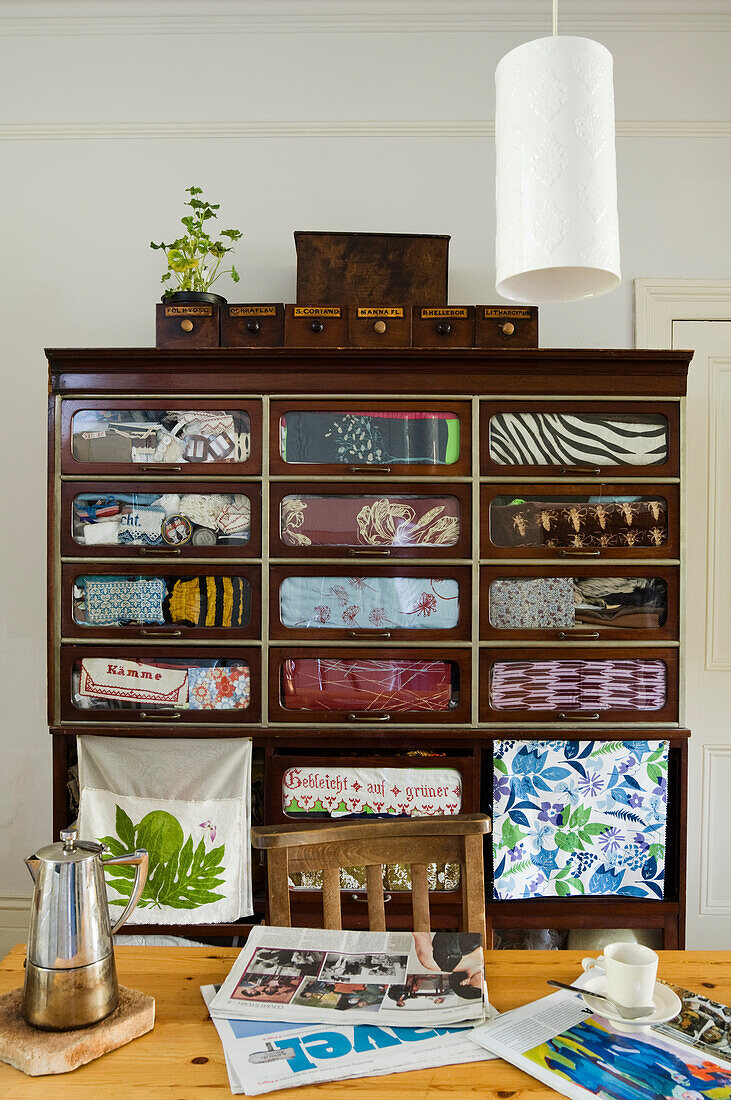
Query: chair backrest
329	845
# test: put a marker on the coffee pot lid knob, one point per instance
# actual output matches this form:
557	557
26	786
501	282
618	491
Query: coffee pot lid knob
68	836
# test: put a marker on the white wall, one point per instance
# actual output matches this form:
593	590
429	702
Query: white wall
294	114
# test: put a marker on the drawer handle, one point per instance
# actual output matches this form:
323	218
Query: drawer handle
579	553
380	327
159	550
164	716
364	901
579	636
317	326
579	469
444	328
508	328
167	633
580	717
186	325
372	717
369	469
373	553
161	467
370	634
253	327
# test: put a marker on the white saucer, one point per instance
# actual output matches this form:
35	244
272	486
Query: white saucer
666	1003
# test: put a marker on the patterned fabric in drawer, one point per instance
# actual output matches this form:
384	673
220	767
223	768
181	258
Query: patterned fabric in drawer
533	603
600	523
579	685
367	520
602	439
370	437
315	683
373	602
579	817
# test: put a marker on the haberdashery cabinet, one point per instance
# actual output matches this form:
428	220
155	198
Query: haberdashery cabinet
422	581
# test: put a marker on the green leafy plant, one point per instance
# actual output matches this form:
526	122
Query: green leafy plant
178	875
195	259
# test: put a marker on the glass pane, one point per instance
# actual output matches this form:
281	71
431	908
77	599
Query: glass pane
199	601
579	685
577	439
160	519
545	603
369	603
316	683
117	683
328	438
579	521
160	436
369	520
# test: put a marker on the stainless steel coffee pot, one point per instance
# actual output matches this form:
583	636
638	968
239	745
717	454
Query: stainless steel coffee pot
70	976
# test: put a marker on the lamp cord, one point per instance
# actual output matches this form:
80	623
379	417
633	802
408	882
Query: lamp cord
555	17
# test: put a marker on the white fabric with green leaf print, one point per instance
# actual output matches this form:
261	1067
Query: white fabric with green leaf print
188	803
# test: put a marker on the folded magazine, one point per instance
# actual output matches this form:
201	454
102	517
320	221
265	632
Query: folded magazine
315	975
263	1056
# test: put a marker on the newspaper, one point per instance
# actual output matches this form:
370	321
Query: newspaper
314	975
565	1045
262	1056
701	1023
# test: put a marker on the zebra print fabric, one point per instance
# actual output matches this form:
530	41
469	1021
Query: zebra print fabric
549	439
579	685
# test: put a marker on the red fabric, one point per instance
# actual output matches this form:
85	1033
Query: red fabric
319	684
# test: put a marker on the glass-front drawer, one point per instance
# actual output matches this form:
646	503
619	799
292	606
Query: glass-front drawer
123	519
325	521
579	685
138	437
406	602
612	602
575	437
101	684
357	437
355	685
213	602
583	521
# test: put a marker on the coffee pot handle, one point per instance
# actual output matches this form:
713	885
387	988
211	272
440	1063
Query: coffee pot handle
139	859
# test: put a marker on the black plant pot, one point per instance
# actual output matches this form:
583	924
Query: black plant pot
181	297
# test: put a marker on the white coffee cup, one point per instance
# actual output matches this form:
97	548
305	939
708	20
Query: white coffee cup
631	971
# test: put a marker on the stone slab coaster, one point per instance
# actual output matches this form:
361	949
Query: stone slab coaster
37	1052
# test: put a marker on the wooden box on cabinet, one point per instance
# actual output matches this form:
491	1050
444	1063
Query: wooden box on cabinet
316	326
506	326
187	325
252	326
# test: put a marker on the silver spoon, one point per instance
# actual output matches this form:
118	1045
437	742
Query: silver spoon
622	1010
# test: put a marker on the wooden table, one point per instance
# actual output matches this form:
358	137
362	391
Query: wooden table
182	1059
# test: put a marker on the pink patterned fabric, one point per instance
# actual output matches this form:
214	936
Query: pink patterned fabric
579	685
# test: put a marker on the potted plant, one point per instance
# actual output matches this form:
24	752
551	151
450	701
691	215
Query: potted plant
194	260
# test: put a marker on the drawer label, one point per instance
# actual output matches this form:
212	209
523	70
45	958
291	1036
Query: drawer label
380	311
252	311
188	311
317	311
510	311
444	311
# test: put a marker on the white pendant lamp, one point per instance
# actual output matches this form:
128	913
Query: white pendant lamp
557	236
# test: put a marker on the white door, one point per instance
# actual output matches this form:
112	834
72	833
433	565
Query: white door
707	640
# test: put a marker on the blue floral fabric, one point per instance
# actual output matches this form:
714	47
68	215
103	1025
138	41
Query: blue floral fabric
579	817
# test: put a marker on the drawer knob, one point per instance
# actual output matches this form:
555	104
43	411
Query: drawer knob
380	327
317	326
253	327
508	328
444	328
186	325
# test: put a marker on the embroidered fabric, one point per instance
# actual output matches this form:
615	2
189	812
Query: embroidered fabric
366	520
373	602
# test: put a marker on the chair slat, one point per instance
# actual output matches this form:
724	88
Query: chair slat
362	852
277	874
420	897
473	888
376	906
331	898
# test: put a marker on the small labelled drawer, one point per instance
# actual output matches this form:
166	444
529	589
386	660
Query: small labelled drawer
104	684
583	604
419	438
621	520
579	685
139	519
368	521
443	327
358	688
160	603
316	326
387	603
252	326
161	437
380	326
187	325
580	438
506	326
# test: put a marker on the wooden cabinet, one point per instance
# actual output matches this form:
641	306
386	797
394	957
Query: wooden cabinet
409	564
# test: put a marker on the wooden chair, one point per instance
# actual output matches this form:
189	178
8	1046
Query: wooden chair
329	845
